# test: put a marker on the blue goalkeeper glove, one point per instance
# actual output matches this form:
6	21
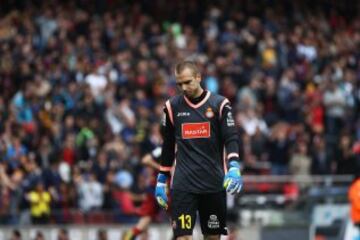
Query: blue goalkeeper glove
233	181
161	191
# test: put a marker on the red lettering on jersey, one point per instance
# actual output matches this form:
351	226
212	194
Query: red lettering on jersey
195	130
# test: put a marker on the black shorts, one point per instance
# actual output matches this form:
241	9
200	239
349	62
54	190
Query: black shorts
212	212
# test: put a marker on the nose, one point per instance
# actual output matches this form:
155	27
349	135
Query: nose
183	88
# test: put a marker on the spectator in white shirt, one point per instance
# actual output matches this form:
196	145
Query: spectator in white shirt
91	194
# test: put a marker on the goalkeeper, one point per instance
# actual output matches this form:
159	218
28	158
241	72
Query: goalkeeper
199	132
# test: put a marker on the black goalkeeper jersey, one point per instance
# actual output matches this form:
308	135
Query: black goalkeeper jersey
200	137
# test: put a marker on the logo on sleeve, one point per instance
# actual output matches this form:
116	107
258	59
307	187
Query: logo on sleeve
195	130
230	120
163	119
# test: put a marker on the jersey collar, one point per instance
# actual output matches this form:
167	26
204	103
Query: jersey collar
198	104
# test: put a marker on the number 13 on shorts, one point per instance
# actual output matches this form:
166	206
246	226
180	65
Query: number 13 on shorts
185	221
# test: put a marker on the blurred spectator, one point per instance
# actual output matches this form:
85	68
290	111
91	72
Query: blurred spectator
102	234
15	152
251	123
90	191
335	103
346	158
12	194
15	235
314	110
279	150
122	195
63	234
322	160
300	162
39	236
40	204
289	98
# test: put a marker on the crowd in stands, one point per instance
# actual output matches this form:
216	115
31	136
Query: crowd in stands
82	88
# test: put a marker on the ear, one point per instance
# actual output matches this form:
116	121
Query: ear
198	77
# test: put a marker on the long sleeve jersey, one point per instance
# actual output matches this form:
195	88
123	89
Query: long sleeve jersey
201	137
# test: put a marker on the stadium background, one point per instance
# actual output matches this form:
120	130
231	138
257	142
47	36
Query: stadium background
82	84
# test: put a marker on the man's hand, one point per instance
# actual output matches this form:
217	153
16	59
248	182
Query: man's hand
233	180
161	191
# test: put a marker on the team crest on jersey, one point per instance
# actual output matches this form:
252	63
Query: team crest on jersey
209	113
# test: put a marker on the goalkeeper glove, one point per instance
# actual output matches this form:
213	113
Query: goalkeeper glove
233	180
161	191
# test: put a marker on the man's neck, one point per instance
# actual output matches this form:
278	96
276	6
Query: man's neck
199	97
199	93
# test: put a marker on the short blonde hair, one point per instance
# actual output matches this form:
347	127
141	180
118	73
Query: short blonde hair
181	66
